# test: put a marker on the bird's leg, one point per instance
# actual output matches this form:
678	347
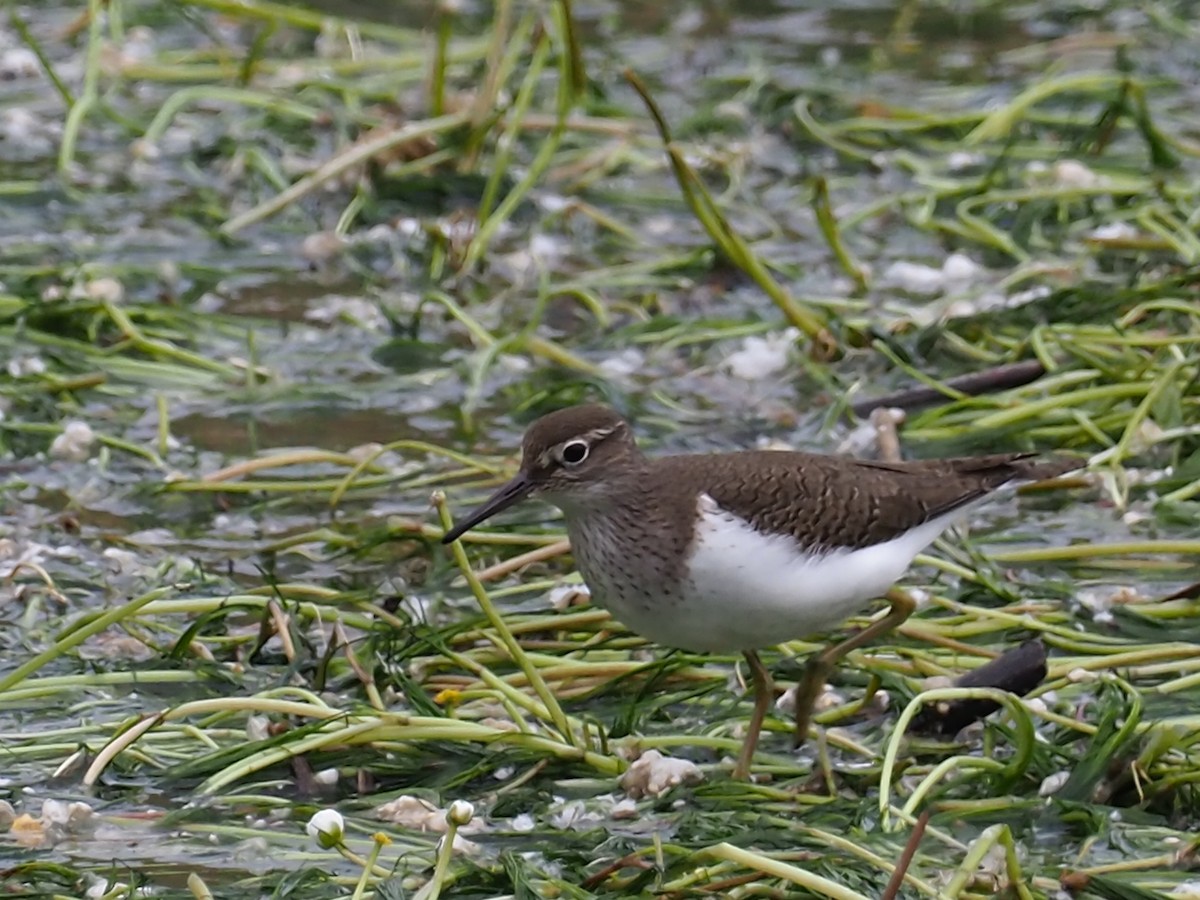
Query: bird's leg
823	663
762	699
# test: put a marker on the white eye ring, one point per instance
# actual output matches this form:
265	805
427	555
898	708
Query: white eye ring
574	452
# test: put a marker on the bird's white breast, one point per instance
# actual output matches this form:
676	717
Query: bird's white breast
743	589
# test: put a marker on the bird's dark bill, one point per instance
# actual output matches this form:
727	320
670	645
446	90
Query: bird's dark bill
509	495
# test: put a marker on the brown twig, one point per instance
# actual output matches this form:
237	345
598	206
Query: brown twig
998	378
906	858
633	860
500	569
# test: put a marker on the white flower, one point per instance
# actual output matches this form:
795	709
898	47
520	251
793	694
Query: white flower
959	270
460	813
915	278
74	442
104	290
71	816
1052	784
19	62
258	728
1114	231
326	827
1070	173
761	357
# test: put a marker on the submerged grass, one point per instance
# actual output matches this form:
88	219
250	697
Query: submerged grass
226	607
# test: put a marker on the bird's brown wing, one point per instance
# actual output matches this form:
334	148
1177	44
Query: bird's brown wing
827	502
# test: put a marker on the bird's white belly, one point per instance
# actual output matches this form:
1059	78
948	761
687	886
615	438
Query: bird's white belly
744	589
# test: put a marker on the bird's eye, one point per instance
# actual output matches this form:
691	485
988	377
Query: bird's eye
574	453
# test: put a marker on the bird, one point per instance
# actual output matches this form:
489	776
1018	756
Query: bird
741	551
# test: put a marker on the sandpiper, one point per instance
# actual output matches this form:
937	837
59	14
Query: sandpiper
724	552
